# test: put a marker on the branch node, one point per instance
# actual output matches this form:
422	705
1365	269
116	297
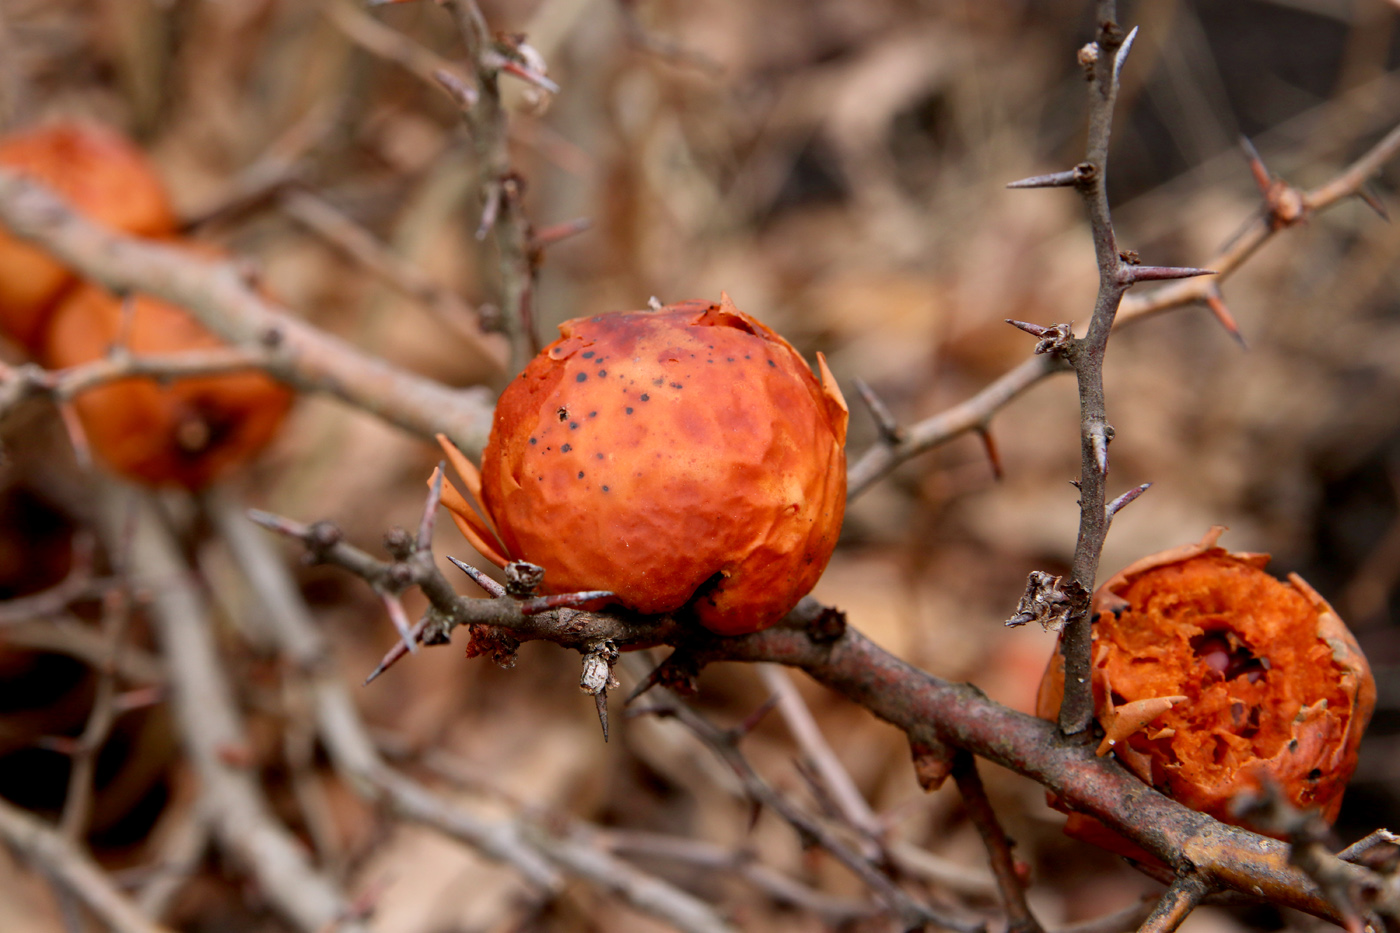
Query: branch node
523	578
399	543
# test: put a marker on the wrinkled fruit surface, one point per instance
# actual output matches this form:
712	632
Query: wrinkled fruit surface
104	177
685	457
1271	685
185	432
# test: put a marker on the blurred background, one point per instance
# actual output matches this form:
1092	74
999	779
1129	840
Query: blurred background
838	167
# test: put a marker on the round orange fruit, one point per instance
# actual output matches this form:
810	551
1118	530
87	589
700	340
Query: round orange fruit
185	431
683	459
100	174
1212	678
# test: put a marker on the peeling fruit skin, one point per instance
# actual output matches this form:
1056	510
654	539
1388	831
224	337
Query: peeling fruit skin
1276	688
100	174
667	455
186	432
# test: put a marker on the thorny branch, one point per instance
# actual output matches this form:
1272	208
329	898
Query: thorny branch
1102	61
976	413
920	704
1205	853
502	219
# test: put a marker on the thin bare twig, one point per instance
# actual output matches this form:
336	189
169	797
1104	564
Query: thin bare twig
335	227
77	806
502	212
30	380
1349	182
391	45
835	779
836	911
78	584
210	726
1019	918
59	858
882	458
911	913
1103	62
1187	891
67	636
1119	921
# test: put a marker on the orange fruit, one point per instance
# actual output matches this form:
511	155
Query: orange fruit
103	176
684	459
185	431
1211	678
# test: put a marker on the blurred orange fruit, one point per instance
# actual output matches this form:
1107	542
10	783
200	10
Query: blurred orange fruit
103	176
680	458
185	431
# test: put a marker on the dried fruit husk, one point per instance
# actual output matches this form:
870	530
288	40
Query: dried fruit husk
685	457
1275	689
182	432
100	174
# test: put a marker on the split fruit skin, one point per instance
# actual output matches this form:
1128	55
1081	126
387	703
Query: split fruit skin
184	432
1274	688
684	457
100	174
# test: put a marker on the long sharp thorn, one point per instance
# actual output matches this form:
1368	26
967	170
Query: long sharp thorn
1122	55
1117	504
1066	179
755	811
989	444
277	523
1216	303
889	427
562	231
1372	200
425	526
537	604
600	700
752	720
398	651
1262	178
1133	274
1035	330
480	579
396	615
530	76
